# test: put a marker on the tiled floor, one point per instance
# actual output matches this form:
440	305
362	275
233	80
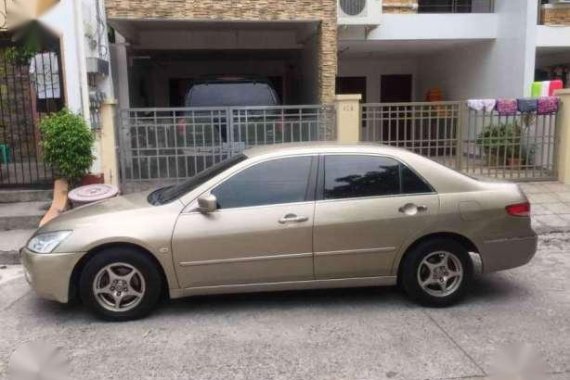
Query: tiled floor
550	205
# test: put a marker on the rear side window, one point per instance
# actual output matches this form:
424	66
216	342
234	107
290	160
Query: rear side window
277	181
411	183
352	176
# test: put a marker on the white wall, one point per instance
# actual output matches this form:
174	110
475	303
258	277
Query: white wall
553	36
74	21
61	20
501	68
437	26
373	68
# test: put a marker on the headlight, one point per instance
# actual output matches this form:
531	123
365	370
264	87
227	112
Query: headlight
47	242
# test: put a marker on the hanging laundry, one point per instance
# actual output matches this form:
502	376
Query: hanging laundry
487	105
527	105
545	89
536	89
554	86
507	107
548	105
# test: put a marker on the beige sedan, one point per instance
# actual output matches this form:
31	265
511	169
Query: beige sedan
285	217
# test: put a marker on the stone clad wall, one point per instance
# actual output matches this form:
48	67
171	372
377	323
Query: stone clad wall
248	10
555	15
400	6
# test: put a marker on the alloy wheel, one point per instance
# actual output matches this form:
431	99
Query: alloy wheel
440	274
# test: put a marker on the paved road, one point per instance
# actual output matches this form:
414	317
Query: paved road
334	334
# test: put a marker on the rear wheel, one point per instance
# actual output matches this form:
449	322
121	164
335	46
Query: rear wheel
437	272
120	284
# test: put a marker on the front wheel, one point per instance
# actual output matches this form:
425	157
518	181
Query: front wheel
120	284
437	272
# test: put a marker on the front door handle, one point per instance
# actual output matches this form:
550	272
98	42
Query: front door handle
293	218
412	209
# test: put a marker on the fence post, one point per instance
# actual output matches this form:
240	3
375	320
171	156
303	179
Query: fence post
462	126
563	133
348	118
108	143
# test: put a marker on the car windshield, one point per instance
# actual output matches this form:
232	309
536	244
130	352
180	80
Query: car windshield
230	94
170	193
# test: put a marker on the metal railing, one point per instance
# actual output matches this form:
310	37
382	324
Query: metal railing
31	88
428	129
456	6
483	144
171	144
517	147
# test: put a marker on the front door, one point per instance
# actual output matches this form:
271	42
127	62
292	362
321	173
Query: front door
371	205
262	231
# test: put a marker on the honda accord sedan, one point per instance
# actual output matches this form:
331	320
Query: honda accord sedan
285	217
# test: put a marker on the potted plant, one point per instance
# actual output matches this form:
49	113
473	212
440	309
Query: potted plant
502	143
67	144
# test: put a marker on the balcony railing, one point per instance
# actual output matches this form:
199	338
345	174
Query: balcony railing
456	6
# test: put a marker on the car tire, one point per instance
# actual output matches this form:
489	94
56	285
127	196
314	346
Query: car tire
437	272
120	284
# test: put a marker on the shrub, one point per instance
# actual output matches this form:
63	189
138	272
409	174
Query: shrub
67	142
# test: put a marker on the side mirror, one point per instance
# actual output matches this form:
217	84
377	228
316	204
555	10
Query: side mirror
207	203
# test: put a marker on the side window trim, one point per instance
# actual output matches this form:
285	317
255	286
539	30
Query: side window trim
320	186
311	193
321	178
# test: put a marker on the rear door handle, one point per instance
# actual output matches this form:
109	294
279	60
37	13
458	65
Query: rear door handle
412	209
293	218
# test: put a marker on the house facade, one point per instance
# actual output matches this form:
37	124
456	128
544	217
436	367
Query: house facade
392	50
134	54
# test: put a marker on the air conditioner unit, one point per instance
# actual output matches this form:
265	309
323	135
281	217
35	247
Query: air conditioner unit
359	12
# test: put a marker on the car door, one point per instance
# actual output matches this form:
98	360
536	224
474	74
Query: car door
261	232
369	205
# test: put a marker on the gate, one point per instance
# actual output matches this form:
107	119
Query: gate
30	88
167	145
483	144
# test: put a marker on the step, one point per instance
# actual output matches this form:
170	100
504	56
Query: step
12	196
21	215
10	244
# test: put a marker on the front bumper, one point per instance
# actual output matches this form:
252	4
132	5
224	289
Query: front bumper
50	274
508	253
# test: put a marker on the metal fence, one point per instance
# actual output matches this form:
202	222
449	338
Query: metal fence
483	144
31	87
171	144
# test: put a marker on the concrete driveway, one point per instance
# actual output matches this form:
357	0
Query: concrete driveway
335	334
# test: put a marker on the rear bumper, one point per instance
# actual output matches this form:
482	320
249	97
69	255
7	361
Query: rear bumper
50	274
508	253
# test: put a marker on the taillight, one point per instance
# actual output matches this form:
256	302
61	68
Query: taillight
519	209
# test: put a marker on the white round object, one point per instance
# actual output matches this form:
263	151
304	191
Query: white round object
93	193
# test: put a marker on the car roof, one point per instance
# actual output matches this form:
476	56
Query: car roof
320	147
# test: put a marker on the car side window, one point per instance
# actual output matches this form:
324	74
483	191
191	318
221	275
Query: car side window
283	180
353	176
412	183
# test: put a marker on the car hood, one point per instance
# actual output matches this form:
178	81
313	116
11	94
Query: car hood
89	214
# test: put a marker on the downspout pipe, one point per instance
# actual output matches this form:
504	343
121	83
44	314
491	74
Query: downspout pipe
81	59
